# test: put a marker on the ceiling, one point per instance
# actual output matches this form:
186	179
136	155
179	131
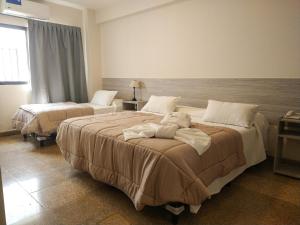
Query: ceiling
92	4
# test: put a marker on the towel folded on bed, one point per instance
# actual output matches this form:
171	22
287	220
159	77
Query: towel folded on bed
196	138
150	130
171	129
167	131
182	120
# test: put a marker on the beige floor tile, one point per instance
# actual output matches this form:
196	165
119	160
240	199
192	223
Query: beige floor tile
35	182
42	218
84	210
18	203
40	188
65	192
270	187
237	205
115	219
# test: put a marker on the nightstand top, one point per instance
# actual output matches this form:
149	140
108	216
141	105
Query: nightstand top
133	102
284	119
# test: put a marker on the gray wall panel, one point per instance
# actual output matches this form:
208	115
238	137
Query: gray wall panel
275	96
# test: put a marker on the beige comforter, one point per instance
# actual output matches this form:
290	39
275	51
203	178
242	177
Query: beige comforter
43	119
150	171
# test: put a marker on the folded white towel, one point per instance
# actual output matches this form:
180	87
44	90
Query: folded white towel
199	140
182	120
150	130
139	131
167	131
196	138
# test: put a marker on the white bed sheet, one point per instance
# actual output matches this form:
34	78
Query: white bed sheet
253	147
254	150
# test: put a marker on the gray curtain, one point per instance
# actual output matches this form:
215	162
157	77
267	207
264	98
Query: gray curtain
56	63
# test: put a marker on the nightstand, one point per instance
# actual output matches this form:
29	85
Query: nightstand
287	129
133	105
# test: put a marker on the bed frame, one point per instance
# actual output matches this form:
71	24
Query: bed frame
41	139
176	209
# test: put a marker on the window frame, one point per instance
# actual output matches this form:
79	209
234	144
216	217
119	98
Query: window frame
17	28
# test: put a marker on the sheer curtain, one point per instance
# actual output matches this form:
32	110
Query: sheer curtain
56	63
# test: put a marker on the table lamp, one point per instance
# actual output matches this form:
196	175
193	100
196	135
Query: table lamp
134	84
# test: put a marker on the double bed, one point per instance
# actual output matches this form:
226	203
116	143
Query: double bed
155	171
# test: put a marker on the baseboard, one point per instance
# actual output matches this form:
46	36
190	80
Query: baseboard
9	133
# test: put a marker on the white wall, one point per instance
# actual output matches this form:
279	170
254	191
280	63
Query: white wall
205	38
92	51
12	96
127	7
64	15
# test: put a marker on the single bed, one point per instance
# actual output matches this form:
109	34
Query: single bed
159	171
43	119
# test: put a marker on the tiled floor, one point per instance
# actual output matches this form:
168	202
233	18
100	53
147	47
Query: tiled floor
40	188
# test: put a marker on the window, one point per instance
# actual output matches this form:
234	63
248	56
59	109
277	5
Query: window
13	55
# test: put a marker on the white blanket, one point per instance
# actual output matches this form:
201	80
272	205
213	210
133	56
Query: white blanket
170	129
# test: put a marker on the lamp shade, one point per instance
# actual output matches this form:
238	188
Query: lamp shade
135	84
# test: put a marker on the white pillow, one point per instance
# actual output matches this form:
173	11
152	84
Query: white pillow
103	97
237	114
161	104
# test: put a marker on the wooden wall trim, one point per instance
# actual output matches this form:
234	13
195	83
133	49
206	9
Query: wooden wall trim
275	96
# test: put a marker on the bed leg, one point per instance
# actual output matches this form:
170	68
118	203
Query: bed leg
25	137
41	140
53	136
42	143
175	209
175	219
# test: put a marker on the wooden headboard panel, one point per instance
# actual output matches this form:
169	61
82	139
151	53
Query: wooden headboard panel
275	96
